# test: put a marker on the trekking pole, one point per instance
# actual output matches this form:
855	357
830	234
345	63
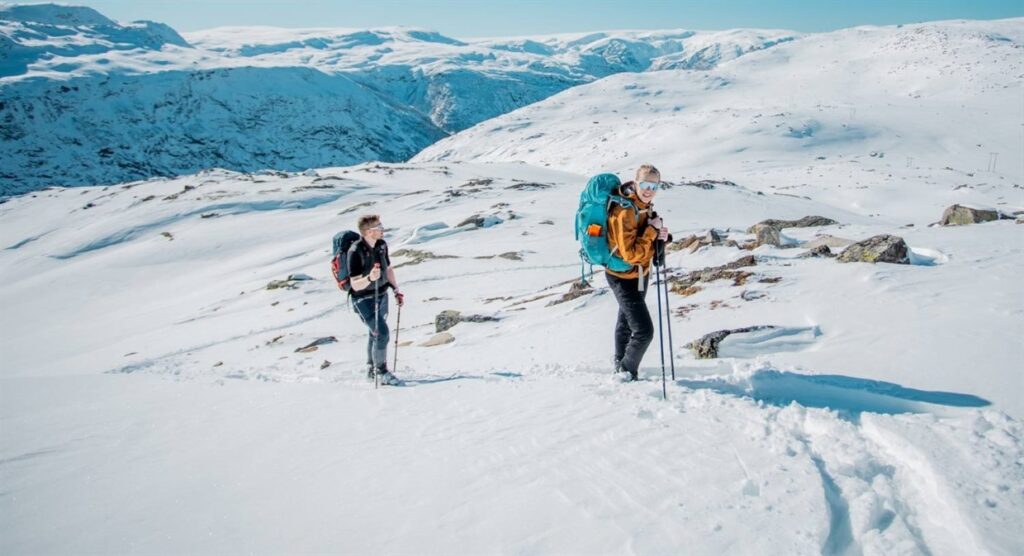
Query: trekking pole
376	329
661	342
398	327
668	313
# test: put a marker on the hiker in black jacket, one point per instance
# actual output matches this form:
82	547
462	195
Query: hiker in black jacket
370	268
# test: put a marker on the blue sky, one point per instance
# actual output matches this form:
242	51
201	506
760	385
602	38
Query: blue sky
474	18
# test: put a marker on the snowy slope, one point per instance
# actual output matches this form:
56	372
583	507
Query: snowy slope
31	34
84	100
153	398
176	122
149	370
906	109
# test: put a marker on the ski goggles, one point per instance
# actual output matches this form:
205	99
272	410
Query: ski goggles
649	185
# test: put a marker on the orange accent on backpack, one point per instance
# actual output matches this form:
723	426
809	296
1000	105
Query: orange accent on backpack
594	230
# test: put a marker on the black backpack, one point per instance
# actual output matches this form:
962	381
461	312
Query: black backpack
343	243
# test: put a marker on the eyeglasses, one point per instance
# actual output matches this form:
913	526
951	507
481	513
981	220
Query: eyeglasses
649	185
378	227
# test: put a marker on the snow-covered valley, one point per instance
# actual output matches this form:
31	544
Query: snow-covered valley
85	100
181	374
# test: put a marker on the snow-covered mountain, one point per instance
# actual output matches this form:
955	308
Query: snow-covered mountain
180	374
84	100
854	102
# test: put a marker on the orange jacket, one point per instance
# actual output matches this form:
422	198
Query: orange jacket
630	237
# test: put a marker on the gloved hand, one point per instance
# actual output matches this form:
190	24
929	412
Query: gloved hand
400	298
663	235
656	222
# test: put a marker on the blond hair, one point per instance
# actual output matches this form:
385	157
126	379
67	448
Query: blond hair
367	221
647	171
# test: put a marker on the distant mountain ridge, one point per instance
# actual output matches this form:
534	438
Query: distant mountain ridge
86	100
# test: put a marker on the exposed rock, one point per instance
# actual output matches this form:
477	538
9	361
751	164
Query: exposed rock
417	257
439	339
700	184
686	284
751	295
354	208
446	319
816	252
767	235
312	346
578	288
805	222
683	243
828	240
289	283
959	215
510	255
693	242
706	347
325	364
480	221
878	249
529	186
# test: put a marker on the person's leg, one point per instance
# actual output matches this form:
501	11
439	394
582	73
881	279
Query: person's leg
622	330
364	308
380	340
633	306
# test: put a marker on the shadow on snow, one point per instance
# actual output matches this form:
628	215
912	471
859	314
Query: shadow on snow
846	394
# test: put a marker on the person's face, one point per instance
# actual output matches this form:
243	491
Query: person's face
648	188
376	231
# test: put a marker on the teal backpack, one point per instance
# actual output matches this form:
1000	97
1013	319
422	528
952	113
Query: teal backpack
592	222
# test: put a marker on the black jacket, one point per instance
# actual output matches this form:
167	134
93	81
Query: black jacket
361	259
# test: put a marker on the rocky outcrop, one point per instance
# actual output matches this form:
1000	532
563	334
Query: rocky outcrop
686	284
767	235
578	288
312	346
695	242
878	249
959	215
449	318
706	347
817	252
805	222
290	283
415	257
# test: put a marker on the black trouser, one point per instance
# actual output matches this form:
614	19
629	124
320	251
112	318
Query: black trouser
634	329
377	344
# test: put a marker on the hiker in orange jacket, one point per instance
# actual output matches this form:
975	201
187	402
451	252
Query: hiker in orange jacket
632	235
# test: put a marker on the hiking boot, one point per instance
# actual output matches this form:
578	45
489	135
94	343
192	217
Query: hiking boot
386	378
369	371
622	375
